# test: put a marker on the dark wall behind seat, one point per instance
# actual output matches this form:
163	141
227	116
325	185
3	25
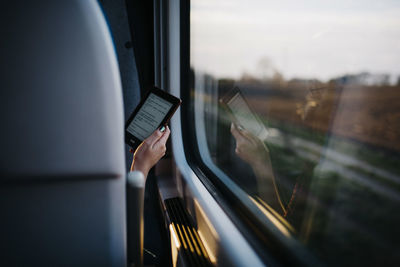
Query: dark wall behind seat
117	17
141	21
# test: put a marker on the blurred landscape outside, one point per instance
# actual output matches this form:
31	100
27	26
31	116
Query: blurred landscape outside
324	79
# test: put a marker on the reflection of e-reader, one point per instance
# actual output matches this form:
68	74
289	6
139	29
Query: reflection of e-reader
241	113
152	112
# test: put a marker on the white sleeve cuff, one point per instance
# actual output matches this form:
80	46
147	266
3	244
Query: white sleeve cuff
136	179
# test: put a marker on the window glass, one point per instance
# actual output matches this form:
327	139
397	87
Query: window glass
297	111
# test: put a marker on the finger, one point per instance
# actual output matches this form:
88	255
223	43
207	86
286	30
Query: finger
239	127
234	131
232	126
152	139
163	140
237	134
245	134
249	136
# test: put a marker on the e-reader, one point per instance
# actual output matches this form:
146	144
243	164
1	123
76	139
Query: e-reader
153	111
241	113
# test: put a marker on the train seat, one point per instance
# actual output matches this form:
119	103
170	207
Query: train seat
62	163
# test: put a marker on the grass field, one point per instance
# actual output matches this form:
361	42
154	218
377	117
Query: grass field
368	114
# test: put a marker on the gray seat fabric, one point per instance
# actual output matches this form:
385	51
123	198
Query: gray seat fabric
62	162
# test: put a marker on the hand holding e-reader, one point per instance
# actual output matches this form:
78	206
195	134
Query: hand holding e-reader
153	111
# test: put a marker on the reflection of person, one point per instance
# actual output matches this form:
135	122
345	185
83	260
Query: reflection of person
283	175
150	151
253	151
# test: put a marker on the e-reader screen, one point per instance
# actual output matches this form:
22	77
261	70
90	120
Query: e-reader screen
149	116
244	116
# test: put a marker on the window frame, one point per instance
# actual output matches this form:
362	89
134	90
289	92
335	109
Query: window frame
212	217
270	245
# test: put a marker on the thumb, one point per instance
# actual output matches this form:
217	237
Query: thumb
153	138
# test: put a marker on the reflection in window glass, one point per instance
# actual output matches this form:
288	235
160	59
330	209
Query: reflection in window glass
297	107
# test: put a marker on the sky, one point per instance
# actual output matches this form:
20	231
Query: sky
300	39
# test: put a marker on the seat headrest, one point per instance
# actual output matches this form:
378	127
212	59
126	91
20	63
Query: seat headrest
61	98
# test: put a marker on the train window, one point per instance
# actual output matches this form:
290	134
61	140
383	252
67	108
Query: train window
297	114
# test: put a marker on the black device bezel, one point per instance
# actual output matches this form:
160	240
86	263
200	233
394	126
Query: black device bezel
132	140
